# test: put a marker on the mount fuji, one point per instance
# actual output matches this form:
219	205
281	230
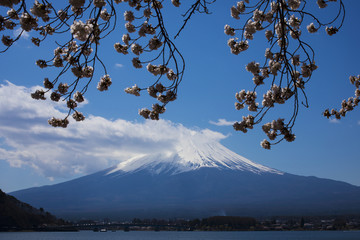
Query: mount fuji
197	179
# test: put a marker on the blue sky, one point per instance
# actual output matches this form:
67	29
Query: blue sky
33	153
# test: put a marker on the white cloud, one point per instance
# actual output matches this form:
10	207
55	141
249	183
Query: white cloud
119	65
24	35
334	120
222	122
95	144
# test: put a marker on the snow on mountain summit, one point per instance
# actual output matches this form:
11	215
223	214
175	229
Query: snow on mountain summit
191	154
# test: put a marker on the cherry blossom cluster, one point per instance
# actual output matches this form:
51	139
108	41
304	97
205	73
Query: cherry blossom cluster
146	38
76	56
81	31
154	113
87	22
346	105
289	61
276	128
288	66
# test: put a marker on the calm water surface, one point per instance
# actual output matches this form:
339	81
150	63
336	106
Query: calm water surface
139	235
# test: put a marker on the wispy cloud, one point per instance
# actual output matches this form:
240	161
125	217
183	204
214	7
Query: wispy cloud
25	34
119	65
222	122
334	120
85	147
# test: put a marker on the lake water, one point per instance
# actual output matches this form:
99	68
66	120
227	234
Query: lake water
163	235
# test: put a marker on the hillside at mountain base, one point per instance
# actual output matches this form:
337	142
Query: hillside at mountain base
17	215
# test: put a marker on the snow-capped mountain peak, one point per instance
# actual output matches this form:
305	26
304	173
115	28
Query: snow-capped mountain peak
191	155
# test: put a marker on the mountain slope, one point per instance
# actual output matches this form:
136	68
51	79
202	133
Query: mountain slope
200	193
199	179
